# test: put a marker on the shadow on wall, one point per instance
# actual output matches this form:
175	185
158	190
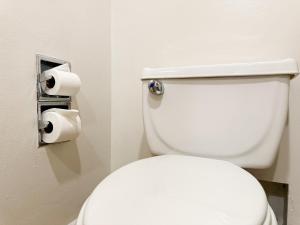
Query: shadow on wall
64	160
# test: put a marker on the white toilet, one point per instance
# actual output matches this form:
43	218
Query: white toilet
206	122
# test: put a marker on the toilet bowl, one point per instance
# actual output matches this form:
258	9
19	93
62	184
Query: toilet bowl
176	190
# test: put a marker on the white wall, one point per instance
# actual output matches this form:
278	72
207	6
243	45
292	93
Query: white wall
191	32
48	185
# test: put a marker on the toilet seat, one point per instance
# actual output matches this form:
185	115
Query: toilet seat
177	190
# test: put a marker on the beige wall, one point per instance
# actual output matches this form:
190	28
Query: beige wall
191	32
48	185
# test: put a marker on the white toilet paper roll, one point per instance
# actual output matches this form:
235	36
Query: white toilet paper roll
64	125
61	83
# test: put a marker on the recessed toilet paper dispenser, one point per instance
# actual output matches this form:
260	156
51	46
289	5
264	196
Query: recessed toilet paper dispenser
57	122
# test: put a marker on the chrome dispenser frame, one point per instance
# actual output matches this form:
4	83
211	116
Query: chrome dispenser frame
45	101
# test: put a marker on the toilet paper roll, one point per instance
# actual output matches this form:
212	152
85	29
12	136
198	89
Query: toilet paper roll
61	82
64	125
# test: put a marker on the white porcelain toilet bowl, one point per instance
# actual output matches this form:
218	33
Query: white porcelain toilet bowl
177	190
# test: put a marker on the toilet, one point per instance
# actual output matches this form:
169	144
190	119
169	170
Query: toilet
204	125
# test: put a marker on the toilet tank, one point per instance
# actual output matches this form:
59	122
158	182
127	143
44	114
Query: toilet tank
233	112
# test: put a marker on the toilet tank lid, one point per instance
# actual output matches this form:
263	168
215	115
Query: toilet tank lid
279	67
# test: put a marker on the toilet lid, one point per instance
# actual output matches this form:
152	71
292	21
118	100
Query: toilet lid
177	190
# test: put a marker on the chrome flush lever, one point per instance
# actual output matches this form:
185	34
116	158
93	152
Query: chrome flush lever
156	87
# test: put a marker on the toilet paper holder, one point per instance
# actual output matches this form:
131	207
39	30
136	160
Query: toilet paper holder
46	126
45	101
44	63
